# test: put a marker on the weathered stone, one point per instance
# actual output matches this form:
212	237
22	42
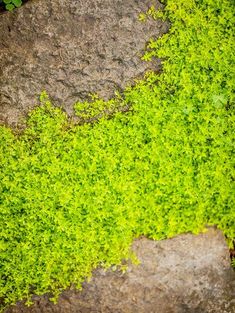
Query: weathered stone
71	48
186	274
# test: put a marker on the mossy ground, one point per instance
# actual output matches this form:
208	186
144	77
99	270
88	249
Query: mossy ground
74	197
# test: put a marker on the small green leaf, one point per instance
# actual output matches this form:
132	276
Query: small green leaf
17	3
10	7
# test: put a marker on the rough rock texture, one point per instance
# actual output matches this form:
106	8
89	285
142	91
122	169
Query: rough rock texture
71	48
186	274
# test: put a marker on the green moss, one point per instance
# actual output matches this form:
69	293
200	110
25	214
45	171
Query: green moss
74	197
11	4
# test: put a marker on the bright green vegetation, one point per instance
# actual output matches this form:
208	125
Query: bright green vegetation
74	197
11	4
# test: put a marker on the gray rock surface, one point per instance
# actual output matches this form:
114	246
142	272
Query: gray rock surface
71	48
186	274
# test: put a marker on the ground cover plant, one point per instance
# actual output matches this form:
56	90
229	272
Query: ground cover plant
73	197
10	5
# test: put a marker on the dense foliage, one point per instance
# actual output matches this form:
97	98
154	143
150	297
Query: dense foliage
10	4
74	197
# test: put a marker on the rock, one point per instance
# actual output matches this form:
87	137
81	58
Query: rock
185	274
71	48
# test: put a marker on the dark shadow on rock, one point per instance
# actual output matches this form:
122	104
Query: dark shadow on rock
186	274
71	48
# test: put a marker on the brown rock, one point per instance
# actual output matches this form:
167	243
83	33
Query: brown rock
71	48
186	274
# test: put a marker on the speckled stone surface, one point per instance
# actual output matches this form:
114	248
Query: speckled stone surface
185	274
71	48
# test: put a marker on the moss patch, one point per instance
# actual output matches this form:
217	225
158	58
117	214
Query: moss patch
74	197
